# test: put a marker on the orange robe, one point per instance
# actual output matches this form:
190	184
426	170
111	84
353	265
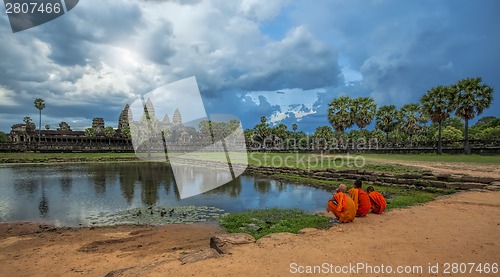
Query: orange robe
378	202
362	201
343	207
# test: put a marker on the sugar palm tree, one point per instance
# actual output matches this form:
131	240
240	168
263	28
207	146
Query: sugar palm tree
262	129
90	133
40	105
386	119
411	117
280	131
125	132
437	104
339	113
109	132
363	109
471	99
28	121
323	136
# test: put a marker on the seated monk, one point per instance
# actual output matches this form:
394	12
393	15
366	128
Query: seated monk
342	206
360	198
377	200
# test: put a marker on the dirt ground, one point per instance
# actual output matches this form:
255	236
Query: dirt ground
461	228
456	168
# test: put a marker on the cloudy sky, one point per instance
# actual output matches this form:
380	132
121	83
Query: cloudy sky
285	60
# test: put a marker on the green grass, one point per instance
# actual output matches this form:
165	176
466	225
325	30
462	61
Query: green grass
315	162
259	223
372	162
10	158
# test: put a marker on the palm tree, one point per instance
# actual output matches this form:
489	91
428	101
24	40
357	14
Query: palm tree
40	105
294	127
339	113
386	119
280	131
472	98
28	121
322	136
411	118
262	130
109	132
90	133
30	126
125	132
363	109
437	104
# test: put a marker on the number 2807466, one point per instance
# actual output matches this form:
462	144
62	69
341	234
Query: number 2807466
32	8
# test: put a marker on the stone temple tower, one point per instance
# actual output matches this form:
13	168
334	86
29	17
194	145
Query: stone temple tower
177	119
98	124
149	109
166	119
125	115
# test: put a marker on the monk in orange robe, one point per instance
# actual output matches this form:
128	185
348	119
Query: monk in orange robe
377	200
342	206
360	198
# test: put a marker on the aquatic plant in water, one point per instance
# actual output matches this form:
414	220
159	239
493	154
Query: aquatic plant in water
157	215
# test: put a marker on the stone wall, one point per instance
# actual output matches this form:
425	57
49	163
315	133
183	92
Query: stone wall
65	147
414	180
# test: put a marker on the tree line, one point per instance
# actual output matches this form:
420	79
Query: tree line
448	108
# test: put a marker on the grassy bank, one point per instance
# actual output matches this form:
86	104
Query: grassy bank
259	223
397	197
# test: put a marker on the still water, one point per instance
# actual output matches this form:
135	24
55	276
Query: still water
68	194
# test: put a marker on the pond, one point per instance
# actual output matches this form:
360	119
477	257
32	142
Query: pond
78	194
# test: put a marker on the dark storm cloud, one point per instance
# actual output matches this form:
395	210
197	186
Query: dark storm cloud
297	61
98	22
158	46
403	48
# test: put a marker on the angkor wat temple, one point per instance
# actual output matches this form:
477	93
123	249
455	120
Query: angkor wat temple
26	137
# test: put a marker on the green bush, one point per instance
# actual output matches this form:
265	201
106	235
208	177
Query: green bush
488	133
451	133
4	137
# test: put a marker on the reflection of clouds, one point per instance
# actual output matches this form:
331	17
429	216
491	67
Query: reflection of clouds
5	209
192	180
285	196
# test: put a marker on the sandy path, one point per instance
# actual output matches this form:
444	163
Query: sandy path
461	228
456	168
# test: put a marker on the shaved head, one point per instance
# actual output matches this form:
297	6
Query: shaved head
342	188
